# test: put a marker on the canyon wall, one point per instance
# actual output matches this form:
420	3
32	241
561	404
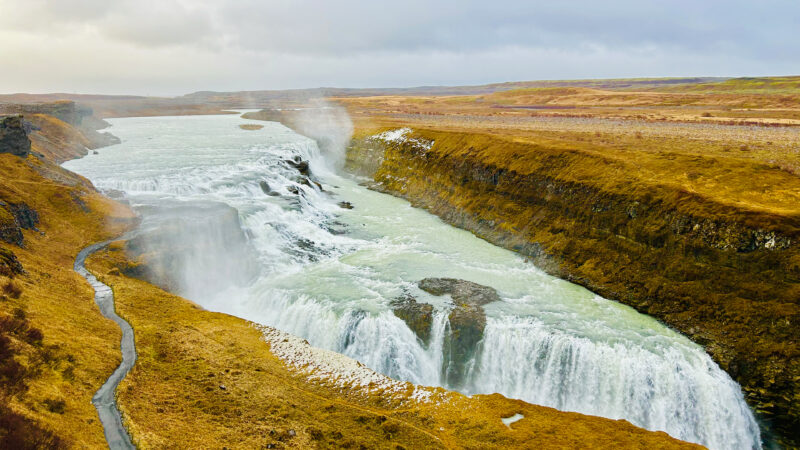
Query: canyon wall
726	276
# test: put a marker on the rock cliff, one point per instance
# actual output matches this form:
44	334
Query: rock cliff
726	276
13	137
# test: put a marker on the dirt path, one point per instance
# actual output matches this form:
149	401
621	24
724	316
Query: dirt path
104	400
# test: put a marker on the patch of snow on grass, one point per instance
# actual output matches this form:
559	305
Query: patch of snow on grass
507	421
400	136
328	366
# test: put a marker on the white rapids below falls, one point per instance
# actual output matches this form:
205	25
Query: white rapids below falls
301	263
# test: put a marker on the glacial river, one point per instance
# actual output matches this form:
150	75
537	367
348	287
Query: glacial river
298	261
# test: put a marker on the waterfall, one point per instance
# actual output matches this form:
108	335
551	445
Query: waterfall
289	257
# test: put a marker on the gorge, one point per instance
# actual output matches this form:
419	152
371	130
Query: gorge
261	225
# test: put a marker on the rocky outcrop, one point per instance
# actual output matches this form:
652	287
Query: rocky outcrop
15	217
418	316
9	264
465	326
727	277
13	137
466	323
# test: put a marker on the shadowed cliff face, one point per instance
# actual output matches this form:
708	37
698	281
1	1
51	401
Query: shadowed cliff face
730	280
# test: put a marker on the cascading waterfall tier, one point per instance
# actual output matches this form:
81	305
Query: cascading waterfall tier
294	259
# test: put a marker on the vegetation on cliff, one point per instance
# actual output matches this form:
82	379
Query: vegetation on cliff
687	218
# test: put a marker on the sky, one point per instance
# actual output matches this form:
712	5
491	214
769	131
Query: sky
174	47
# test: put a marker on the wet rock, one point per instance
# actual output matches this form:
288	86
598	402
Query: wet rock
461	291
293	190
267	190
418	316
466	323
13	138
345	205
301	166
303	181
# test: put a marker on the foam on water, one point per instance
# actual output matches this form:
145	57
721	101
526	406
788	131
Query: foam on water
328	274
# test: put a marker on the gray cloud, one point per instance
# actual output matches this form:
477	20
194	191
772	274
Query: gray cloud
174	46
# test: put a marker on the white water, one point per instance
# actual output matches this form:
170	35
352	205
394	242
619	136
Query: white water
304	265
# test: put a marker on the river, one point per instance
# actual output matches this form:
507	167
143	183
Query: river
298	261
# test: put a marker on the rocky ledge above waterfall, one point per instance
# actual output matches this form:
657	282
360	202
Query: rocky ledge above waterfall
466	321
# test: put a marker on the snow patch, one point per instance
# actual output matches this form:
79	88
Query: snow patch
507	421
400	136
344	372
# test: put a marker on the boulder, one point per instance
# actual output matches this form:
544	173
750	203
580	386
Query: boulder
466	323
267	189
345	205
13	138
418	316
461	291
300	165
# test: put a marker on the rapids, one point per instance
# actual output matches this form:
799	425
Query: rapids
301	263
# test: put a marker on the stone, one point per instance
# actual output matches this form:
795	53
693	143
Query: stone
345	205
418	316
301	166
13	138
466	323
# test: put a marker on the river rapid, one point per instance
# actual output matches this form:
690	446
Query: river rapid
298	261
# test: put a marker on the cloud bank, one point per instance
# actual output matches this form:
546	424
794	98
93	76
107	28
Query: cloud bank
171	47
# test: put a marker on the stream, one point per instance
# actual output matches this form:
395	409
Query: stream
246	235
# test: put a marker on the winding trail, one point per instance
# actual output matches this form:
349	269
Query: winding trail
104	400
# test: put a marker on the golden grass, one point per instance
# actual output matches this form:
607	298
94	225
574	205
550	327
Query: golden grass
80	347
173	399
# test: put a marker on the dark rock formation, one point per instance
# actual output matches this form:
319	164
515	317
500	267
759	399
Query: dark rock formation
345	205
13	138
418	316
301	166
26	217
9	264
462	292
467	321
15	217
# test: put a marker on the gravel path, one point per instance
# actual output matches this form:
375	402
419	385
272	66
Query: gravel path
104	400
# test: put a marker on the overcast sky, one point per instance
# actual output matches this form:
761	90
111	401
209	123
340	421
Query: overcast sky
173	47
